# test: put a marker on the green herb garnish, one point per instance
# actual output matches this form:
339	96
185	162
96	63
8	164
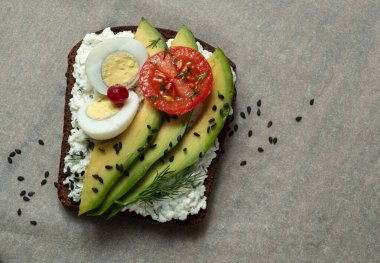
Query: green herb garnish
202	76
153	43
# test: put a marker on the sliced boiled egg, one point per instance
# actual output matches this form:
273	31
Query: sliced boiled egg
115	61
101	119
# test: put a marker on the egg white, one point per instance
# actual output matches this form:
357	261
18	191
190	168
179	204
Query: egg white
100	52
111	126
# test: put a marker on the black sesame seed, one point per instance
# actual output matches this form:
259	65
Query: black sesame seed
258	103
120	145
95	176
140	149
22	193
170	144
236	127
56	184
171	159
220	96
72	186
108	167
243	163
250	133
200	155
249	110
46	174
196	134
269	124
179	137
149	127
95	190
18	151
312	102
19	212
12	154
100	179
213	125
258	112
20	178
33	223
119	167
31	193
43	182
208	129
270	139
117	150
260	149
41	142
185	149
26	199
274	140
76	174
9	160
242	114
82	173
149	138
141	157
115	145
214	108
231	133
298	119
101	149
153	145
211	120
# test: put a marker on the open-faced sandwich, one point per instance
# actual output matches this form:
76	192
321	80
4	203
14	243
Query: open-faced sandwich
144	122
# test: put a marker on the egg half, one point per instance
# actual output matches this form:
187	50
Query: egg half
102	120
115	61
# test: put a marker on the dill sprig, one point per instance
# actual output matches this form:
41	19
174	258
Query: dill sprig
184	74
202	76
168	184
154	43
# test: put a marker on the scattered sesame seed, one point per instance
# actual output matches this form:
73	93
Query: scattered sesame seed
211	120
22	193
18	151
220	96
153	145
196	134
31	193
214	108
43	182
46	174
41	142
140	149
184	149
179	137
141	157
311	102
258	112
19	212
9	160
20	178
108	167
258	103
94	189
243	163
120	145
56	184
170	144
250	133
269	124
260	149
119	167
149	127
26	199
236	127
12	154
274	140
249	110
100	179
208	129
101	149
270	140
33	223
298	119
242	114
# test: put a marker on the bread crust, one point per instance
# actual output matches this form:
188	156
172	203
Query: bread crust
63	190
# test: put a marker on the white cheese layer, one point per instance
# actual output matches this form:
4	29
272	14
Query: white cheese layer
188	202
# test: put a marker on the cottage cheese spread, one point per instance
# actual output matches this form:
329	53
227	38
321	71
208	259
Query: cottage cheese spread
190	201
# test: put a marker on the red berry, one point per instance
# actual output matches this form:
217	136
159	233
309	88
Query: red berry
118	94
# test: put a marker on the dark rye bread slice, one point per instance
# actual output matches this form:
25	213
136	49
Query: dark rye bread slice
63	190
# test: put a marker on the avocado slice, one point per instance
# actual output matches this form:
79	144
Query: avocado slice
185	38
200	137
150	37
100	177
169	135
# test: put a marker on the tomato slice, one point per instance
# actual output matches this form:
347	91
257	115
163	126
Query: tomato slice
176	80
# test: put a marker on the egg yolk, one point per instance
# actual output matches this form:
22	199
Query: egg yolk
101	109
119	68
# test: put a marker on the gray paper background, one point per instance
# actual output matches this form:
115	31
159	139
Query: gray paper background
312	197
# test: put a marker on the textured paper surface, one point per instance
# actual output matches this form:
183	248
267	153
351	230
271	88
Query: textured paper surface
314	196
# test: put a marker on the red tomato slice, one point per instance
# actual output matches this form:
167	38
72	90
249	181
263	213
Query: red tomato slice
177	80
